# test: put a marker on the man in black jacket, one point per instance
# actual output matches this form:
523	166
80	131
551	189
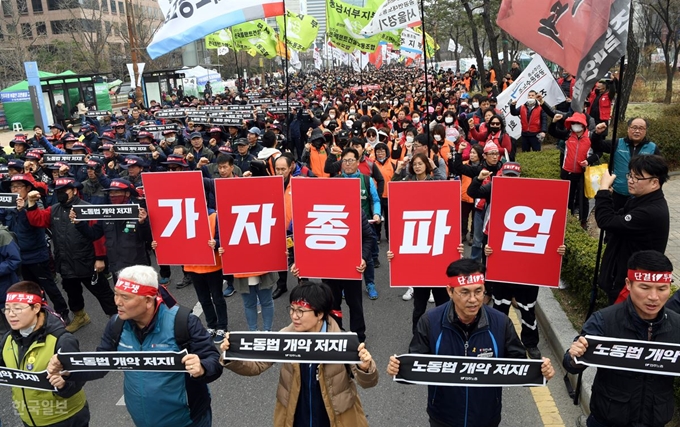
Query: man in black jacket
623	397
643	223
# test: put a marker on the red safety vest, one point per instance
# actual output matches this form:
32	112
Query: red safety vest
533	122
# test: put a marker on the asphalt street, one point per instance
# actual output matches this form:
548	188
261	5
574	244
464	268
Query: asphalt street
249	401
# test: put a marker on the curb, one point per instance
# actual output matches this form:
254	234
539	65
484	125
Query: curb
560	334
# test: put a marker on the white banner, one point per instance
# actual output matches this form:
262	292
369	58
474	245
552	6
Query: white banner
393	15
317	58
411	41
187	21
453	47
138	81
222	50
536	76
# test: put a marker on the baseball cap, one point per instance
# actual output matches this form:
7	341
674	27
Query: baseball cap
195	135
511	169
16	164
176	160
240	141
132	161
66	182
256	130
120	184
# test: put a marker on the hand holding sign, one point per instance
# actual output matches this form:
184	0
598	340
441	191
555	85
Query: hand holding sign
578	347
365	358
192	363
393	366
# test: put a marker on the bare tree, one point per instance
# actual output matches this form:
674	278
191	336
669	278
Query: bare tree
17	43
89	33
664	26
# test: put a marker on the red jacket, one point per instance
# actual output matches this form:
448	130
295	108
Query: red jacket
604	104
576	150
530	122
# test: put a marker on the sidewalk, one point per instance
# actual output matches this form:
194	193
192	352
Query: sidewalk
557	327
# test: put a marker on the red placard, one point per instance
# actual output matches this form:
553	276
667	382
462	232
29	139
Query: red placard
327	227
178	216
424	231
251	218
527	223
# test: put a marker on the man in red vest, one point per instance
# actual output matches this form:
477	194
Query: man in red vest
534	122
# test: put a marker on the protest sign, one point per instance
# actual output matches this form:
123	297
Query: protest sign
150	361
106	212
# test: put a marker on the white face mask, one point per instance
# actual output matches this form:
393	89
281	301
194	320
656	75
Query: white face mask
437	138
475	105
416	120
531	102
448	120
332	116
409	139
171	139
352	111
577	127
396	102
324	99
326	122
349	123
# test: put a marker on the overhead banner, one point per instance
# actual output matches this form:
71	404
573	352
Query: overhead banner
148	361
345	22
8	200
393	15
327	226
25	379
255	35
106	212
300	30
648	357
426	235
411	42
178	216
536	76
294	347
221	38
187	21
524	233
252	226
585	37
429	369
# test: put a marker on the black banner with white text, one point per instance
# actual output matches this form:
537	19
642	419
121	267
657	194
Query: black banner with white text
25	379
152	361
106	212
8	200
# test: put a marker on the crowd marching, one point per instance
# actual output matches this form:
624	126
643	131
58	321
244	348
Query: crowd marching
382	126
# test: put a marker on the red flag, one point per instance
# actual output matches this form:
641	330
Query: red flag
327	227
178	216
376	57
426	235
252	225
525	232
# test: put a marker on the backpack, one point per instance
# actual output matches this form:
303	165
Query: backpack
182	336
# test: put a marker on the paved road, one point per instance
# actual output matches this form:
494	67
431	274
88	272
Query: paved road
245	401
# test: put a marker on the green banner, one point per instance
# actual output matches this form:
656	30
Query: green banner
301	30
345	21
255	36
219	39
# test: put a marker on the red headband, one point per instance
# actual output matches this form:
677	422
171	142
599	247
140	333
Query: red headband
303	303
22	297
136	288
650	276
467	280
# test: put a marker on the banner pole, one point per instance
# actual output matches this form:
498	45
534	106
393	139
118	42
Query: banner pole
593	293
285	55
424	55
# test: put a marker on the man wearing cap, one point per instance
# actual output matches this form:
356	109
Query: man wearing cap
134	166
623	397
243	159
122	135
465	326
198	150
33	248
15	166
57	132
316	153
32	165
76	257
126	241
96	182
157	399
20	146
254	146
90	137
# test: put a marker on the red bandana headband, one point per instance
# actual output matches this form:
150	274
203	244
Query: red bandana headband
650	276
136	288
302	303
467	280
22	297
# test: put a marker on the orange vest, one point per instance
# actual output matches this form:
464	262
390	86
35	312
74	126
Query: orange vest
317	161
387	171
288	205
464	184
202	269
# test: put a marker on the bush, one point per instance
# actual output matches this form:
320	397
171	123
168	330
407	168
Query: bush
540	164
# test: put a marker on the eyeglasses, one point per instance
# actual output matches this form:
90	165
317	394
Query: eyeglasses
466	294
15	310
637	128
492	153
297	312
634	179
17	186
349	161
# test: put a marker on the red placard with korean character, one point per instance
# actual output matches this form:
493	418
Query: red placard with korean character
327	227
178	216
250	213
424	231
526	226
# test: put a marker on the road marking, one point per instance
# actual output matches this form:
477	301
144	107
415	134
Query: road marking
197	310
545	403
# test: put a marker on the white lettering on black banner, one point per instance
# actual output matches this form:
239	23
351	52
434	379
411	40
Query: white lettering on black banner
25	379
107	212
8	200
71	159
153	361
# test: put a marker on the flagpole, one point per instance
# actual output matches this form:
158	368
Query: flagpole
427	100
285	56
238	71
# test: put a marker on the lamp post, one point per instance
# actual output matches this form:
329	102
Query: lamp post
133	51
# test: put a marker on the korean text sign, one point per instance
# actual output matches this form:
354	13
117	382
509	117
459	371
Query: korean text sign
178	215
424	234
252	225
526	226
327	227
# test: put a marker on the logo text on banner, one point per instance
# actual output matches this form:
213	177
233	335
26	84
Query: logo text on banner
154	361
178	216
252	226
8	200
106	212
294	347
468	371
25	379
327	227
427	235
527	231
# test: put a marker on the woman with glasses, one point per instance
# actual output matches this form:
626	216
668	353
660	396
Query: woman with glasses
311	393
35	335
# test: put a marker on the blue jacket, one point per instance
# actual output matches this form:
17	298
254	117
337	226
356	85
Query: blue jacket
162	399
10	261
375	198
439	332
32	243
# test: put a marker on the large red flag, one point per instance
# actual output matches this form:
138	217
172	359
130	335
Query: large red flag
178	216
424	236
252	225
525	232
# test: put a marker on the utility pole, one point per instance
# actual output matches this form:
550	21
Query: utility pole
133	51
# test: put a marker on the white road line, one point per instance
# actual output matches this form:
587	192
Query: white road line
197	310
